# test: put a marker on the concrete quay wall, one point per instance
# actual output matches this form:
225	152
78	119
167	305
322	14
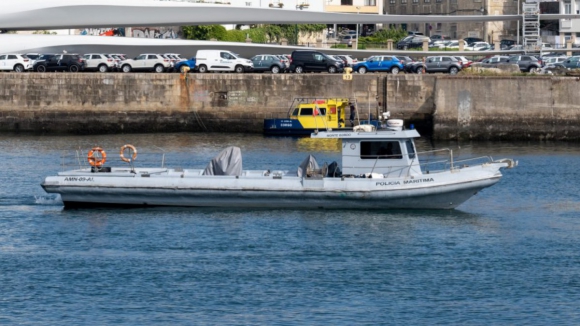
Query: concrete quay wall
494	108
451	107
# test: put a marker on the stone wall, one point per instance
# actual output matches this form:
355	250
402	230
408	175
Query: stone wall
451	107
498	108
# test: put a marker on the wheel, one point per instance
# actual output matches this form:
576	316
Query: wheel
103	68
74	68
41	68
159	68
299	70
395	70
453	70
239	69
126	68
332	70
362	70
19	68
275	69
533	70
420	70
202	69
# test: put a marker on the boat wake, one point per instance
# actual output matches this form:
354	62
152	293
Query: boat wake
48	200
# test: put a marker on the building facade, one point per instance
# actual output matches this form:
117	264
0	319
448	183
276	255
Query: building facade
489	31
569	29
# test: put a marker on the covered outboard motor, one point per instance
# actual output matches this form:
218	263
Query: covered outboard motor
228	162
334	171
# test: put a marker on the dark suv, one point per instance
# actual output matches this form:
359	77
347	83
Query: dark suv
59	62
307	61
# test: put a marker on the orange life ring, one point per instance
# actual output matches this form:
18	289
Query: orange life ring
95	161
123	153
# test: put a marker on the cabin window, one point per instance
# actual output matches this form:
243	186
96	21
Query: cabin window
382	150
309	111
295	112
410	149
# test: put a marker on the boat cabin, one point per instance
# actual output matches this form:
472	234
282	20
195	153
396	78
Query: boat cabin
387	152
320	113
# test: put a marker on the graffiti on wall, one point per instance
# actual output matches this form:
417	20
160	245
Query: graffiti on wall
154	32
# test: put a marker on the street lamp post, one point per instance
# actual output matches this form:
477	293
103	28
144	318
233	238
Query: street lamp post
357	12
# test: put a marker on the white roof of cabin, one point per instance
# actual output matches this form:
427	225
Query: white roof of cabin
380	134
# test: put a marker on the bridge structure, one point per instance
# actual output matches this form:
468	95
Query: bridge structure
68	14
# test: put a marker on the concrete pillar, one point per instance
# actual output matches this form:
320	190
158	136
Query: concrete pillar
319	43
390	44
569	48
284	41
461	45
496	46
248	40
128	32
425	45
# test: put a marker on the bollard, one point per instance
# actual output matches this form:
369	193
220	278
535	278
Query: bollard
390	44
496	45
461	45
425	45
569	48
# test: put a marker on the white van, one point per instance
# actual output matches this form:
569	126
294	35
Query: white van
221	60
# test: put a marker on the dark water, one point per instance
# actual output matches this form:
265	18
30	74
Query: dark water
509	256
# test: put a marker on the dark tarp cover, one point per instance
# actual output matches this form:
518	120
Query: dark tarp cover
228	162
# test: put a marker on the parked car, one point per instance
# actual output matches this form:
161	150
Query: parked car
222	60
478	46
440	64
465	63
412	41
117	59
506	44
407	63
439	44
496	59
59	62
98	62
527	63
348	40
385	63
439	37
471	40
285	60
15	62
181	65
570	63
551	62
268	62
311	61
455	44
146	62
347	59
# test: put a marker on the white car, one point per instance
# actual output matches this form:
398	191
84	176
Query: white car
15	62
455	45
478	46
221	60
98	62
146	62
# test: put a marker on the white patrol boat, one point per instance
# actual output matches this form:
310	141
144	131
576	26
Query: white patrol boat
380	169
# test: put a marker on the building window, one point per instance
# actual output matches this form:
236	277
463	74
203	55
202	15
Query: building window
346	2
392	2
403	1
567	8
438	26
415	1
427	1
438	1
371	3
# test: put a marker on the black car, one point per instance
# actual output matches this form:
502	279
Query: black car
310	61
412	41
471	40
59	62
408	63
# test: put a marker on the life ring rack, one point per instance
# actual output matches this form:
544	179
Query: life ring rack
132	157
100	158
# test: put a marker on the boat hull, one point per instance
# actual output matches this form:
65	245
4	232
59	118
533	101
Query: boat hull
294	195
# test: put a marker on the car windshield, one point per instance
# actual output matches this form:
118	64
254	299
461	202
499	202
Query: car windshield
408	38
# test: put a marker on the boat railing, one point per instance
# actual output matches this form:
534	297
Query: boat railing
78	159
444	161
